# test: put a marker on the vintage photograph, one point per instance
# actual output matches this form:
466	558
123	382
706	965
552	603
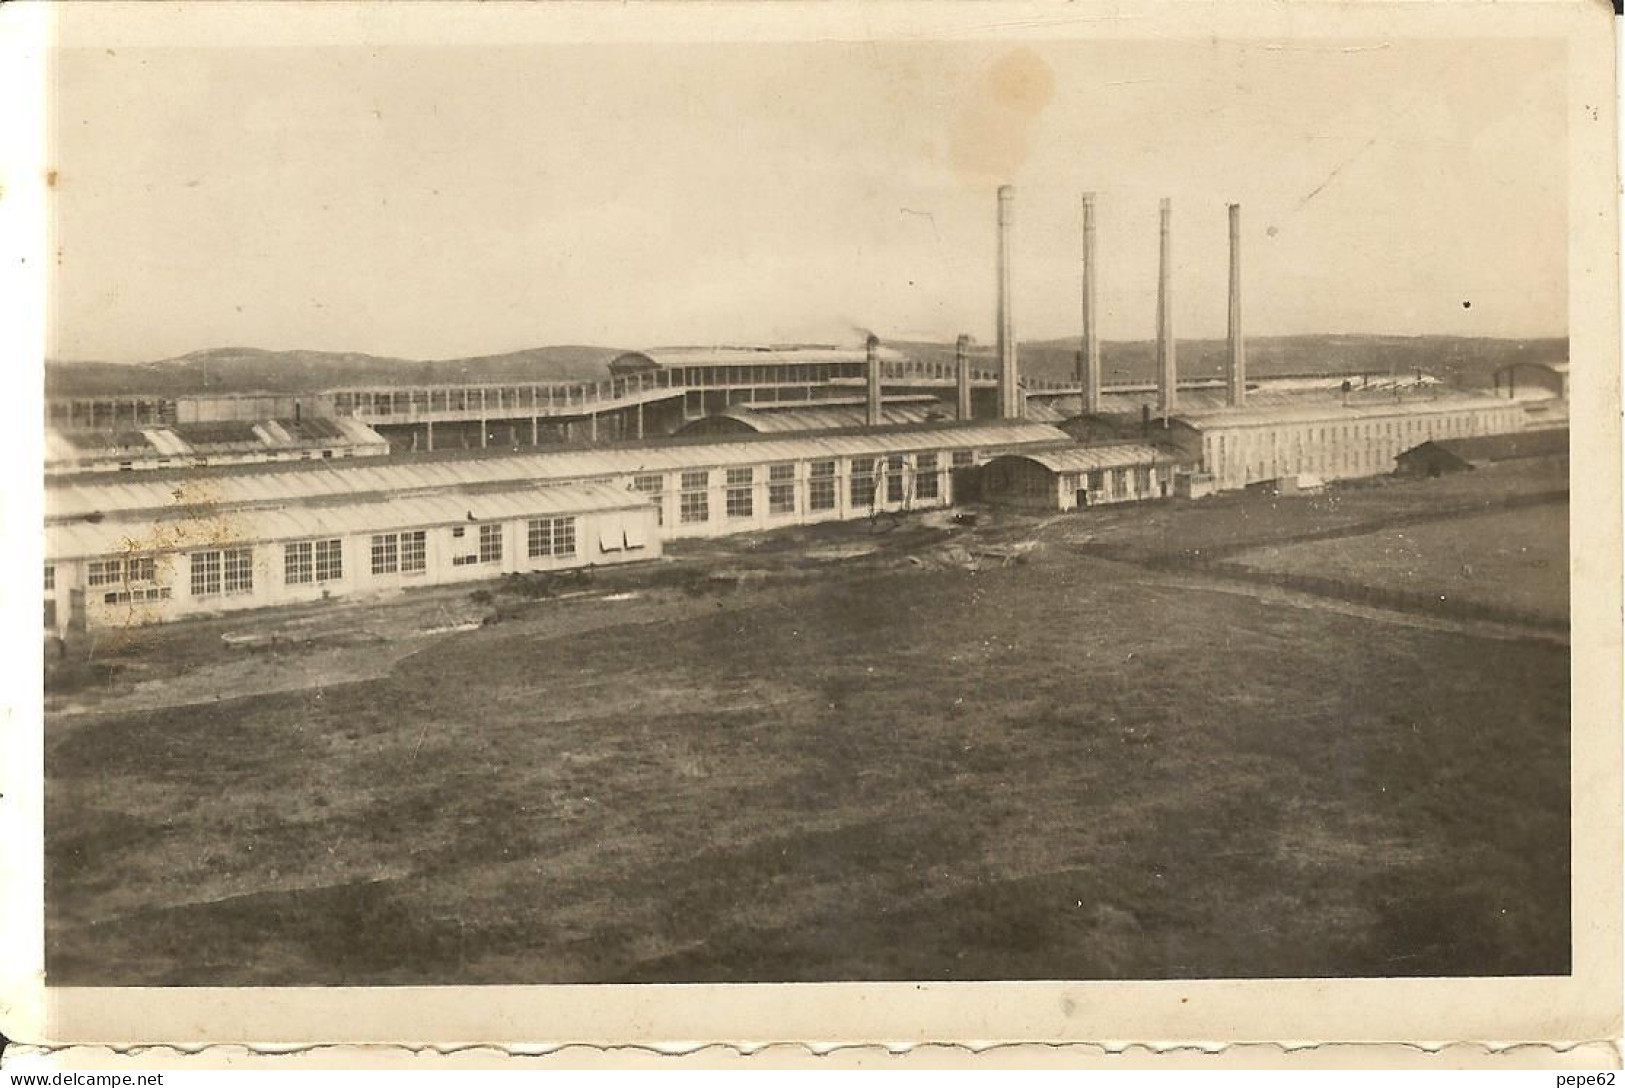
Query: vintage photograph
920	509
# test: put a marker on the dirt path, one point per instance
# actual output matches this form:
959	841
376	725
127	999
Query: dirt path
1295	599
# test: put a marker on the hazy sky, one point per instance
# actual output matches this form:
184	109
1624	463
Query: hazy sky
433	202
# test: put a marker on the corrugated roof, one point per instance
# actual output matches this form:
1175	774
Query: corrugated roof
1502	447
178	530
1330	412
756	356
204	439
1089	458
818	416
302	481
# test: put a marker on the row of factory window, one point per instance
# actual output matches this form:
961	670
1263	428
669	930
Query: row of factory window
872	480
793	373
1419	430
1096	480
230	571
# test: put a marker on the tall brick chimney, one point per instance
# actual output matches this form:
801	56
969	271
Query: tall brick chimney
1089	360
1236	362
871	358
1011	401
1167	366
962	376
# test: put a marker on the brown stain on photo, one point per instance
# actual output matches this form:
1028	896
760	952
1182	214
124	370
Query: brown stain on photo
192	521
989	139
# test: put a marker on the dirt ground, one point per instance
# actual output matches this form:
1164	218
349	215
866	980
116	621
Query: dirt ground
907	749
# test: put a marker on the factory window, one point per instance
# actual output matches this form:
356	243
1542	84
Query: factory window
386	554
103	572
964	458
50	578
894	478
1142	479
329	556
925	476
821	485
694	503
238	564
414	552
106	572
863	480
205	574
297	568
1120	482
490	543
1097	483
130	596
551	537
739	492
781	489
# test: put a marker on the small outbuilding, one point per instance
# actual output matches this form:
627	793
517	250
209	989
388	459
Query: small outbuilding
1072	477
1438	457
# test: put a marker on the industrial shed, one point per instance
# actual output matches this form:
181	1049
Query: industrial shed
199	445
1078	476
1459	455
698	488
1245	446
204	559
127	549
824	414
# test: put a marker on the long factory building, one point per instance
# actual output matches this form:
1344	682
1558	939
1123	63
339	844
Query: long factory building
155	546
162	546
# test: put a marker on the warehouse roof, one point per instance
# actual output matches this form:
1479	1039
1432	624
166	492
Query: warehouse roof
66	449
1331	411
306	481
1090	458
1501	447
181	529
752	356
822	415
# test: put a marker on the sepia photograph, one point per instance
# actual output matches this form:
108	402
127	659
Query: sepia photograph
948	507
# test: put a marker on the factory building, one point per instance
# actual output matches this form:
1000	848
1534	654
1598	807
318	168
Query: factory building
1075	477
834	413
197	445
168	544
191	560
1436	458
1252	445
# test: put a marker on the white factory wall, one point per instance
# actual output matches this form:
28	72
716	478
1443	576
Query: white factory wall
704	501
1024	484
1333	446
162	586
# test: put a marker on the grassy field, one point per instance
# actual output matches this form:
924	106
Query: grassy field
1226	524
886	764
1519	561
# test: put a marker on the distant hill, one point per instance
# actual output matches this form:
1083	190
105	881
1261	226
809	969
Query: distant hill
1465	362
1461	361
255	370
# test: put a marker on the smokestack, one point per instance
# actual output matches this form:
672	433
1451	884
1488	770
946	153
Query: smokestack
1167	367
1238	346
872	367
1089	361
962	375
1010	399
